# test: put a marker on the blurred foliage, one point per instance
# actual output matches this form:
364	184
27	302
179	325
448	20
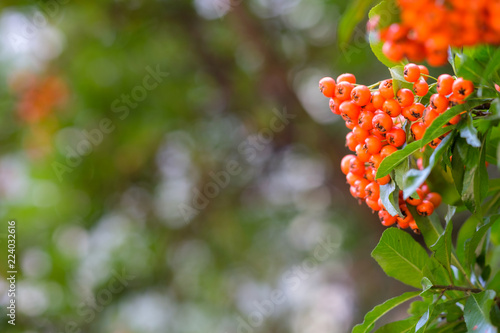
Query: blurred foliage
229	64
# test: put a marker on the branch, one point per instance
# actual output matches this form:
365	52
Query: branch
464	289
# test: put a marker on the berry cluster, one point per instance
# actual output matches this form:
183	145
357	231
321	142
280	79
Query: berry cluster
376	118
428	28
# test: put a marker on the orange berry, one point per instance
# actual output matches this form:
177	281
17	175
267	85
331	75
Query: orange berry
327	86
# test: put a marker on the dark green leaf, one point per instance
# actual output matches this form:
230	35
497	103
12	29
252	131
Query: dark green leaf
494	284
494	186
435	272
415	178
389	196
469	132
466	232
457	167
470	247
430	227
450	213
380	310
469	67
477	312
391	161
442	248
401	257
437	125
400	326
418	308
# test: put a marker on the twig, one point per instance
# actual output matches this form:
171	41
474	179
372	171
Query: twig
465	289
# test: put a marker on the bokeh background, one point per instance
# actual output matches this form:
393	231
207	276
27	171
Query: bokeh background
104	176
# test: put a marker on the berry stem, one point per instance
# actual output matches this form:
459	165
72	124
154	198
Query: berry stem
427	75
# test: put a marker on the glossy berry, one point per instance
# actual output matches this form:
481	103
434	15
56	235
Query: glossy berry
384	180
445	84
404	220
417	130
375	160
386	90
462	88
349	110
387	150
434	198
378	100
429	117
385	218
346	77
360	134
360	186
392	108
373	144
424	72
350	141
356	166
365	120
405	97
327	86
414	201
343	90
335	105
362	153
425	208
373	204
345	163
351	178
382	122
413	112
361	95
411	72
396	137
420	88
373	191
438	103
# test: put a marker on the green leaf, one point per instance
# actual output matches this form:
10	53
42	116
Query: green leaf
469	66
399	172
380	310
457	167
436	127
450	213
354	14
389	195
437	274
477	312
415	178
400	326
475	185
469	132
401	257
494	186
492	68
471	246
388	13
466	232
418	308
494	284
442	248
430	227
424	320
391	161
